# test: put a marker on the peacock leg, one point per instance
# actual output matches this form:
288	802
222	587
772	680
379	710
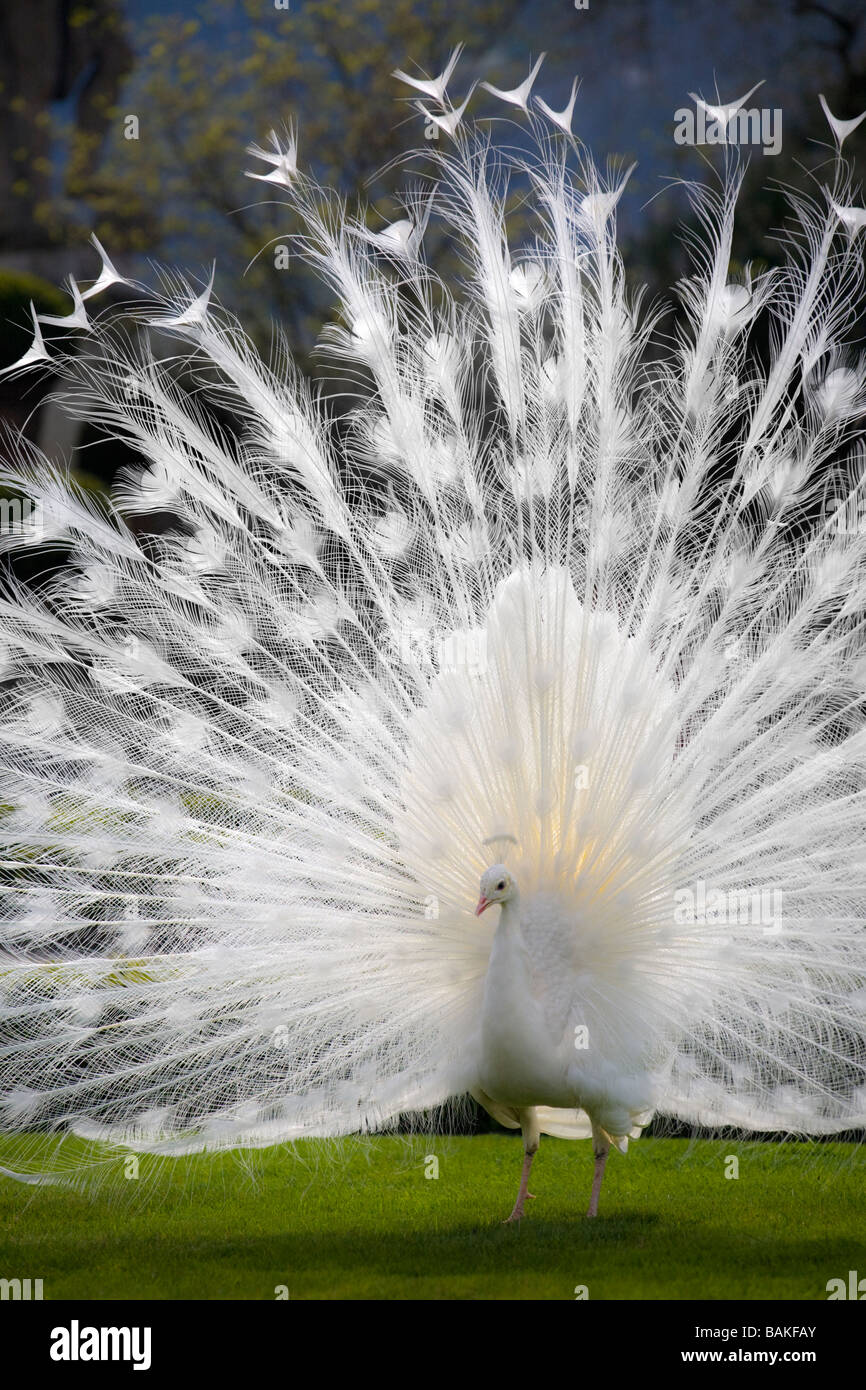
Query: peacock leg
531	1140
600	1150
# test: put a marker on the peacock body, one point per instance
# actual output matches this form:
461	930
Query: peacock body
531	602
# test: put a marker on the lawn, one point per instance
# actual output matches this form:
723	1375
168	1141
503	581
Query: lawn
360	1220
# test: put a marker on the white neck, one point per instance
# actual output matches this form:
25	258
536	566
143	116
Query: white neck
508	965
509	916
509	1033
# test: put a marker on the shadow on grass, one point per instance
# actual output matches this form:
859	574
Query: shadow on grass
629	1256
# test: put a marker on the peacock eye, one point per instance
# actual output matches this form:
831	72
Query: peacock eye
500	886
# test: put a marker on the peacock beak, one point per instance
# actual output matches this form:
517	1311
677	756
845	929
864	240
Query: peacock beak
482	903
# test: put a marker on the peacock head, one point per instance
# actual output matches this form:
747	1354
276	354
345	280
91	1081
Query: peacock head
497	886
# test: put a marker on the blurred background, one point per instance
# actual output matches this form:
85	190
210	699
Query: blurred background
130	118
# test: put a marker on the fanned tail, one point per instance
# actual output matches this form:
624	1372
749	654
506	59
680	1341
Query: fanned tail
530	577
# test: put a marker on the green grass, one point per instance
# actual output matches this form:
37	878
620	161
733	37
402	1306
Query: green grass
359	1220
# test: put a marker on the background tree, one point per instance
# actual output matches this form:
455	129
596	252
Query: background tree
52	53
205	87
